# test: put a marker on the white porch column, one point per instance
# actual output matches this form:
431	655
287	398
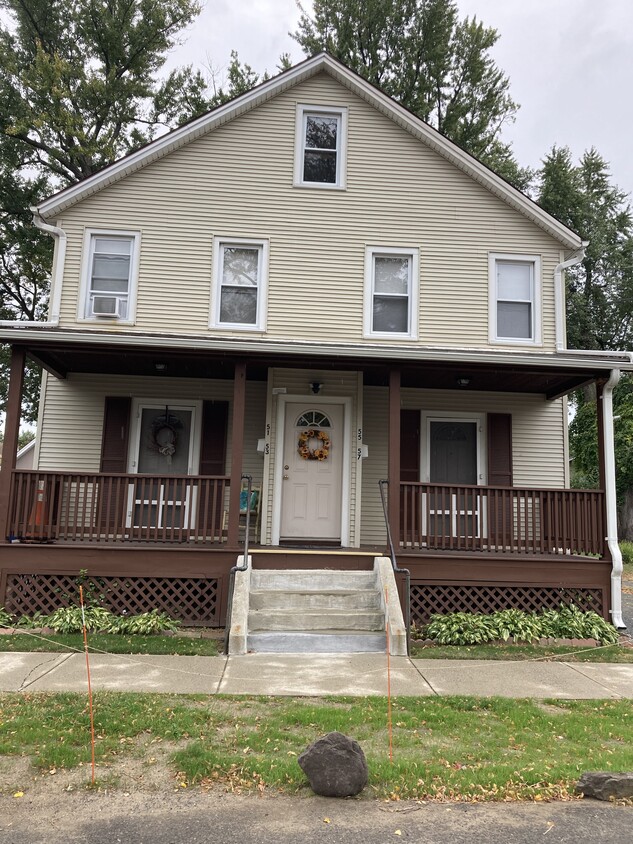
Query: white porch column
610	499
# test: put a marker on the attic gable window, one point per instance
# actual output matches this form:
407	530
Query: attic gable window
515	299
109	275
321	134
240	283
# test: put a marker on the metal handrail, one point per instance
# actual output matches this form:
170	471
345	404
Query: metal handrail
234	569
394	562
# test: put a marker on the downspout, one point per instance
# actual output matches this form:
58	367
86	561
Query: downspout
55	297
610	500
559	296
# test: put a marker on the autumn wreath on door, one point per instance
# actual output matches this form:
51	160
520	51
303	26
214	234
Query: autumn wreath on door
314	445
163	434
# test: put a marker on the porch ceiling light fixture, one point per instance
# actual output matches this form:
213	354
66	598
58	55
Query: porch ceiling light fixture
315	386
463	381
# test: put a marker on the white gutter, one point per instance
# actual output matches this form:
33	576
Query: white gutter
559	310
559	294
55	295
610	500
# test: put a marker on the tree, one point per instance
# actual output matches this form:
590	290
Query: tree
422	55
600	289
241	78
79	86
599	303
583	440
79	79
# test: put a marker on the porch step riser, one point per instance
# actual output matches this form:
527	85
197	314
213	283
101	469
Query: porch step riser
278	599
315	579
312	561
314	643
271	620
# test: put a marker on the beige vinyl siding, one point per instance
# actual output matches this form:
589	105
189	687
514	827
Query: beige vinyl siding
296	383
538	443
72	427
237	181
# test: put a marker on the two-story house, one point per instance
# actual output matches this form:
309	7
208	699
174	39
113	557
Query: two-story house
311	286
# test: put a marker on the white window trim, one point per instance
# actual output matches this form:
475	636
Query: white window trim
341	146
86	269
537	331
262	286
414	254
458	416
134	443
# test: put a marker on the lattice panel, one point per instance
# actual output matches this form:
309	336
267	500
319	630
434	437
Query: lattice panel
429	599
194	601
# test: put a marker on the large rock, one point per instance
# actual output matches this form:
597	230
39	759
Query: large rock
605	785
335	765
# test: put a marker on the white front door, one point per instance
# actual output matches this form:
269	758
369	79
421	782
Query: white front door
312	477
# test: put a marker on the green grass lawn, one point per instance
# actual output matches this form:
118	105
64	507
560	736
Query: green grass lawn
444	748
612	653
114	644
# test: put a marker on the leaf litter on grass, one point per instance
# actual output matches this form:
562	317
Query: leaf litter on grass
444	748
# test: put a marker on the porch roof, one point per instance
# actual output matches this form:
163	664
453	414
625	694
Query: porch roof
63	351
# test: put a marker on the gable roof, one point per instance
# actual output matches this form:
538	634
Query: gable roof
322	62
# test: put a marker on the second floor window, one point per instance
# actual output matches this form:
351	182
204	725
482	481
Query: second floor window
391	292
110	275
240	281
515	299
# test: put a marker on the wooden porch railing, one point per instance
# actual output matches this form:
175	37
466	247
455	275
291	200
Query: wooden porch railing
83	507
502	519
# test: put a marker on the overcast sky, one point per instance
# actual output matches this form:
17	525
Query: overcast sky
570	64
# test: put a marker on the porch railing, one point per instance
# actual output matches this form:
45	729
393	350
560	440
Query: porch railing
501	519
70	506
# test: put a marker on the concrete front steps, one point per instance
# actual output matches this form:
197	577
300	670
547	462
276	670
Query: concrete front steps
316	611
312	611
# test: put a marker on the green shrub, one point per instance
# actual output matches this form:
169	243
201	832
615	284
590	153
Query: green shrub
568	622
28	622
146	623
5	618
69	619
522	626
462	628
627	553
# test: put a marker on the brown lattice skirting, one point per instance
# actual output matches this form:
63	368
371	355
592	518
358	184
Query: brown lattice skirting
192	600
428	599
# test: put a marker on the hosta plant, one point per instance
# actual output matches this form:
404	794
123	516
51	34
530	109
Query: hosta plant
522	626
69	619
146	623
462	628
567	622
28	622
5	618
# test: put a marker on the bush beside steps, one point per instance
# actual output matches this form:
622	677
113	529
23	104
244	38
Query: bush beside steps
98	620
567	623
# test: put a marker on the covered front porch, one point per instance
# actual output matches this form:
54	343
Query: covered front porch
468	518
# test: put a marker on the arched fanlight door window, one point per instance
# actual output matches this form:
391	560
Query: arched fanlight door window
313	419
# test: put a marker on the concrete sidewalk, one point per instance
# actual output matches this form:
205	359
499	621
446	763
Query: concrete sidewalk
313	675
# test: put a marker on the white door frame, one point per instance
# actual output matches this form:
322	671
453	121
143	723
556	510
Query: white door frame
425	440
193	458
479	419
278	471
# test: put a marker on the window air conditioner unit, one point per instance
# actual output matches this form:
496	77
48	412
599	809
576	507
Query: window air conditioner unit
105	306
